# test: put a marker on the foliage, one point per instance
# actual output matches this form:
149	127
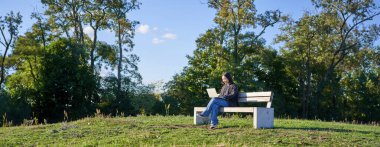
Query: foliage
319	52
326	67
57	66
233	46
325	64
13	110
9	26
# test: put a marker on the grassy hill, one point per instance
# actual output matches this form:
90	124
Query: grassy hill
179	130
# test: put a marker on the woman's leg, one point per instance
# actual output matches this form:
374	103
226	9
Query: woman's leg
206	113
217	103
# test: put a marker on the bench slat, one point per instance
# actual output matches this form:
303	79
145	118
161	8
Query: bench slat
228	109
255	94
236	109
255	99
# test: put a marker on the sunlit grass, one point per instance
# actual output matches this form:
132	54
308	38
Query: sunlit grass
179	130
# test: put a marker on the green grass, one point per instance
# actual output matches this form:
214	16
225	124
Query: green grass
179	131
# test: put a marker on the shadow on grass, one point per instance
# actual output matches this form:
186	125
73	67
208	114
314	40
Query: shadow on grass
235	126
203	126
305	129
327	129
180	126
206	126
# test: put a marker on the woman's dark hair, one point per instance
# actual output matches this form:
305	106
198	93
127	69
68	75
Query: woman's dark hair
229	77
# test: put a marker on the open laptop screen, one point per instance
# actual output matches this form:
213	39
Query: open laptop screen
212	92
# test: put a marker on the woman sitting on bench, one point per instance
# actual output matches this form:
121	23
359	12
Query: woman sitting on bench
228	97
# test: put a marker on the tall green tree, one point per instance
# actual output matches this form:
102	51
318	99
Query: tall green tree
67	14
234	45
67	81
57	67
317	45
349	32
303	55
24	85
76	14
360	82
9	26
124	32
98	20
239	34
52	81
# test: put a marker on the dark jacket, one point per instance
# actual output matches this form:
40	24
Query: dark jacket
230	93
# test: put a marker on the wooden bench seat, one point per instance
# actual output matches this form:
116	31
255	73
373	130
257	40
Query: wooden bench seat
263	117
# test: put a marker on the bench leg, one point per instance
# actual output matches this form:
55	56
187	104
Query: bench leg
263	117
200	120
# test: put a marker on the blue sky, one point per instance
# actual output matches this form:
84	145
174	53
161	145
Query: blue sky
168	29
161	57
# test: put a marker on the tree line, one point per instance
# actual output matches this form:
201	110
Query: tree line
55	68
325	64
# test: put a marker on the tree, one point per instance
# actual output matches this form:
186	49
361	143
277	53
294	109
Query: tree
67	14
67	82
302	54
51	81
234	46
360	82
236	21
124	32
14	111
348	31
53	74
76	14
9	25
26	59
144	100
97	18
316	49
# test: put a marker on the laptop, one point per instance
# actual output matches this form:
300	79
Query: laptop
212	92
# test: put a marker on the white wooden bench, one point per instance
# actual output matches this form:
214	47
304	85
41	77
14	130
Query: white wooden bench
263	117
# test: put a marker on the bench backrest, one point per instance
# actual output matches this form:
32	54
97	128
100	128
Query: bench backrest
264	96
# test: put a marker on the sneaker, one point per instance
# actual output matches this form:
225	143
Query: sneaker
200	115
212	127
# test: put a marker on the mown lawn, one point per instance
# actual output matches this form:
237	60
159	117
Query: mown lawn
179	131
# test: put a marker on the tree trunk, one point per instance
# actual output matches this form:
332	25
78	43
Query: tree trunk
119	65
93	49
2	65
320	88
303	95
81	34
308	87
236	49
308	80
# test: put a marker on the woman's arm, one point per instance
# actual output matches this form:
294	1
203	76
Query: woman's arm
234	92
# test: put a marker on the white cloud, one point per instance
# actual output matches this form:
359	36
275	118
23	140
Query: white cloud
169	36
157	41
143	29
155	28
89	31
